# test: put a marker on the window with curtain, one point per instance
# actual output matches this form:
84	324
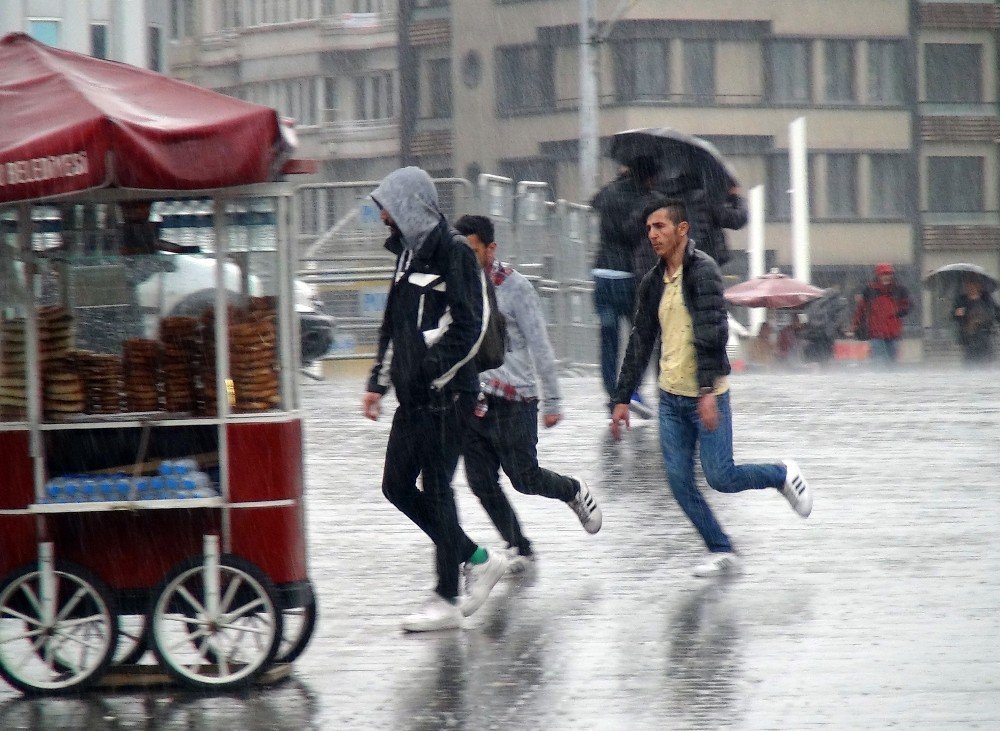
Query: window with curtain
891	185
953	72
98	40
886	72
779	182
699	71
955	184
374	96
788	65
838	63
841	185
439	87
525	78
642	70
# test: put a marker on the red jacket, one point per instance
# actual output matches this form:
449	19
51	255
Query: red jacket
879	314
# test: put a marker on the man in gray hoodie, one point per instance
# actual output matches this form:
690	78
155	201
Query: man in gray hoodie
504	430
433	325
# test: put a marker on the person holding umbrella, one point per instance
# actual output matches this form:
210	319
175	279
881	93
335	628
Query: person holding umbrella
681	302
975	314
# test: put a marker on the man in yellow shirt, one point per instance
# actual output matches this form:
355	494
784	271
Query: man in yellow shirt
681	301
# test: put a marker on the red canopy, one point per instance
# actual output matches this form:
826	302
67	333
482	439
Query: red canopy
773	290
69	122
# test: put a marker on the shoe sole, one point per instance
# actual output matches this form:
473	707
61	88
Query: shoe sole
797	493
592	524
436	627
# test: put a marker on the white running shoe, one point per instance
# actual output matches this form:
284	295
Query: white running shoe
796	489
480	580
436	613
718	565
586	507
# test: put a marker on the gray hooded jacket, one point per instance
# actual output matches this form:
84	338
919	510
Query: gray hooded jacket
409	195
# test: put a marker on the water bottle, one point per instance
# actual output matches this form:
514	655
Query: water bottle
87	492
123	488
70	490
54	490
185	466
172	487
142	488
157	487
166	467
202	485
106	488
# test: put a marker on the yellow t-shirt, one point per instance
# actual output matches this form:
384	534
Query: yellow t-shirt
678	360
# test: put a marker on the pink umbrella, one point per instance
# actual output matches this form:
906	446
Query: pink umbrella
773	290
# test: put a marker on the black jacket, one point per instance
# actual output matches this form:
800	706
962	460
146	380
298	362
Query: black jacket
702	290
433	322
618	204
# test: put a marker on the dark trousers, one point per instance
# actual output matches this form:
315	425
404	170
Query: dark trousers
507	437
426	441
614	299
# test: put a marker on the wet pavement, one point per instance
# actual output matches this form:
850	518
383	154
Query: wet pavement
882	609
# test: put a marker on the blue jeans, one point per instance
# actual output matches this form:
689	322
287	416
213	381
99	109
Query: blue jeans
884	351
614	299
680	430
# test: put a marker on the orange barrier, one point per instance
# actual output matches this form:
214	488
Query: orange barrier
851	350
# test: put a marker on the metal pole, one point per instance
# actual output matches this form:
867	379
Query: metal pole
756	250
800	199
588	99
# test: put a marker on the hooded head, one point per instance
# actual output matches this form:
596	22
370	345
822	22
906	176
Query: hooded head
884	268
409	196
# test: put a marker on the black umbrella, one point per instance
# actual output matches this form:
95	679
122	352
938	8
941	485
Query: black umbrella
950	276
675	155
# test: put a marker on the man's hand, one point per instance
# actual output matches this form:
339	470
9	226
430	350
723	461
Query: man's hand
550	420
960	312
708	411
619	416
371	405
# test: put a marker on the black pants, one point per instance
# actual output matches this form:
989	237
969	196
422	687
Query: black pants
507	437
427	441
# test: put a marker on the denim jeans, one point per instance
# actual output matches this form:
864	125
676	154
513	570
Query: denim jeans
680	430
507	436
614	299
883	351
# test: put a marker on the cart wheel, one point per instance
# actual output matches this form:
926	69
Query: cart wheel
297	625
223	649
68	650
133	639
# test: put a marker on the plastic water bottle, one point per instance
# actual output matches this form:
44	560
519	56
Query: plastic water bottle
157	487
166	467
54	490
203	486
106	488
185	466
123	488
71	490
172	487
87	492
142	488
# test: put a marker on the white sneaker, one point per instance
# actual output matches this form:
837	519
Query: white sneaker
719	564
519	563
480	580
586	508
796	489
435	614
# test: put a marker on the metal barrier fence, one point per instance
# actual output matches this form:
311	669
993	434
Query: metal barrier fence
552	242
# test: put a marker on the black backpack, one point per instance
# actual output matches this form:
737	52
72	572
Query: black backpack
494	346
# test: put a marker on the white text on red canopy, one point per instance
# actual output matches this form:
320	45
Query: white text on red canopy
38	169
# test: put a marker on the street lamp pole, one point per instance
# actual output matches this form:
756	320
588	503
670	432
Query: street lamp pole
589	153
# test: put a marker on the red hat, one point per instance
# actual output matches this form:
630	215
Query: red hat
884	268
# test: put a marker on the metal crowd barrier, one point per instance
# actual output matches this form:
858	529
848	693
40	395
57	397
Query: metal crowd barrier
552	242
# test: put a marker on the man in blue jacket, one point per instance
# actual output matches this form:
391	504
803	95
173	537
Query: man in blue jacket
434	322
681	301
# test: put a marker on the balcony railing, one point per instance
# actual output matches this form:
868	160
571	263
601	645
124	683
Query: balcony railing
360	130
359	23
959	109
961	218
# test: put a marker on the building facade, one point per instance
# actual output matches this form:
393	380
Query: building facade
133	31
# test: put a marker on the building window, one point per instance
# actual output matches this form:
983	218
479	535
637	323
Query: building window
155	48
955	184
642	71
699	71
525	80
779	182
182	19
369	6
44	31
886	72
439	87
891	186
98	40
954	72
841	188
839	66
535	169
373	96
788	68
330	99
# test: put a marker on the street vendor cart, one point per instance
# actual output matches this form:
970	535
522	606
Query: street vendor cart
151	493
